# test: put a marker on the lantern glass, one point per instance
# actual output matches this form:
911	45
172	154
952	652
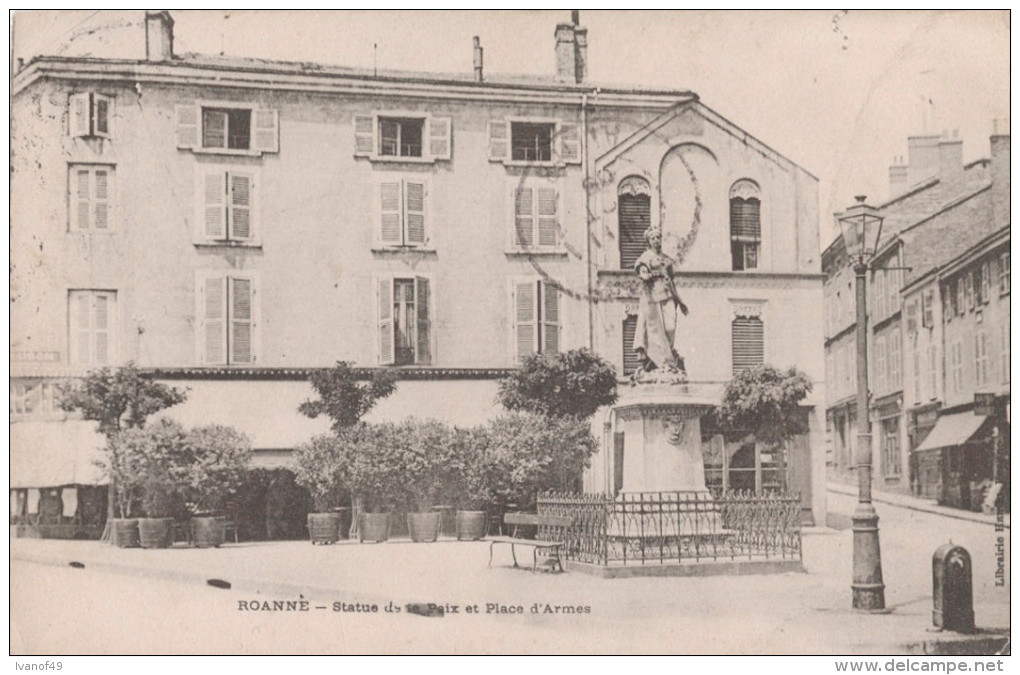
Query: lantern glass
861	228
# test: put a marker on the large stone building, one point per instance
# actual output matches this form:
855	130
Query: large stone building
939	209
230	224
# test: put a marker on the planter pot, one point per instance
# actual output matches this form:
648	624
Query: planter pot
324	528
125	532
208	531
424	526
374	527
155	532
471	525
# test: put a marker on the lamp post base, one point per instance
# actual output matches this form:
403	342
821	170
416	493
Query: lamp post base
868	588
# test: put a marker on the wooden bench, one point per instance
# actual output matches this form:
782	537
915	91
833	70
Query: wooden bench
551	548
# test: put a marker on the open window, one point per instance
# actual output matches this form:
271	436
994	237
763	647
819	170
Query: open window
406	137
404	320
534	141
227	128
90	114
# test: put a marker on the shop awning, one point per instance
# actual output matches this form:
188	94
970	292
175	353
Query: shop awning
51	454
952	430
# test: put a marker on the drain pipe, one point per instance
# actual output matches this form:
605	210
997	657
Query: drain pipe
586	187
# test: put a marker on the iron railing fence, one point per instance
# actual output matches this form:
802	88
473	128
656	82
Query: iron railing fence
675	527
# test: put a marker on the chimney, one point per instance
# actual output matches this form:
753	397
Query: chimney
159	35
897	177
478	59
951	176
922	158
571	50
1000	175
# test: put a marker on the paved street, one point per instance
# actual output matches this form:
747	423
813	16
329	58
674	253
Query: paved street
135	601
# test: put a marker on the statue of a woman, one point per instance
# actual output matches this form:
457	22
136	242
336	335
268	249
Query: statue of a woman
655	340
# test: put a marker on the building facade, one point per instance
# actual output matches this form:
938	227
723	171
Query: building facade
931	224
231	224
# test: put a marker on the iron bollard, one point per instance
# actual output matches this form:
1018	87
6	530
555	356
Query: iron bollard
952	591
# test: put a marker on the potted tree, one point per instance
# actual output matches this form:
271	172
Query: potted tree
473	483
318	469
218	457
124	467
160	460
371	470
425	455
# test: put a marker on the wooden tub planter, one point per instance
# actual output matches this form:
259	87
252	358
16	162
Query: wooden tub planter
424	527
324	528
471	525
208	531
373	527
155	532
124	532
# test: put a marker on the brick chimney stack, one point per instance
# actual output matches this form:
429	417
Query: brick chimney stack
897	177
478	58
922	158
572	50
1000	173
159	35
951	176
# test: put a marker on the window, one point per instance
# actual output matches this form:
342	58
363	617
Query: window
916	379
748	343
32	397
536	325
90	197
961	297
408	137
979	287
228	313
90	114
892	287
402	214
227	128
928	308
534	141
535	219
981	371
1004	274
948	303
227	206
400	137
881	365
891	447
968	291
933	371
92	322
878	294
956	366
895	361
745	224
1004	351
404	321
634	204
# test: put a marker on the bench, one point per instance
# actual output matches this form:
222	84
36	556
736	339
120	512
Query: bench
551	548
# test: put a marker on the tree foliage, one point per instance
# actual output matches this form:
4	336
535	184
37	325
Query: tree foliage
318	467
342	398
576	384
118	399
765	401
216	461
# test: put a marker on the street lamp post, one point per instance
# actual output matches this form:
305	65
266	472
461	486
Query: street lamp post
862	227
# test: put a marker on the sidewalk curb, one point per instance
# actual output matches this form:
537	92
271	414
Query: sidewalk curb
917	505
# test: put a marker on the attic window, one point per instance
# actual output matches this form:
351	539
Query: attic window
229	129
400	137
530	142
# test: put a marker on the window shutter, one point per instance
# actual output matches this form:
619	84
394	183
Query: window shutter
266	135
550	318
631	361
912	317
214	321
748	343
570	143
414	212
101	106
78	114
82	199
240	205
364	134
101	328
390	202
81	309
385	304
745	219
548	231
499	141
101	198
440	137
423	355
187	126
241	325
635	218
214	208
525	319
524	219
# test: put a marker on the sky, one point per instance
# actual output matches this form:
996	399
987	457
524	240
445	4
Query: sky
838	92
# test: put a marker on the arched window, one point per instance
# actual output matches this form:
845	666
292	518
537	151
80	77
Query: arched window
745	224
634	200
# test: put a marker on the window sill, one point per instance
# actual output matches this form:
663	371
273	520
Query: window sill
390	159
537	252
382	248
228	152
254	245
106	231
535	164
